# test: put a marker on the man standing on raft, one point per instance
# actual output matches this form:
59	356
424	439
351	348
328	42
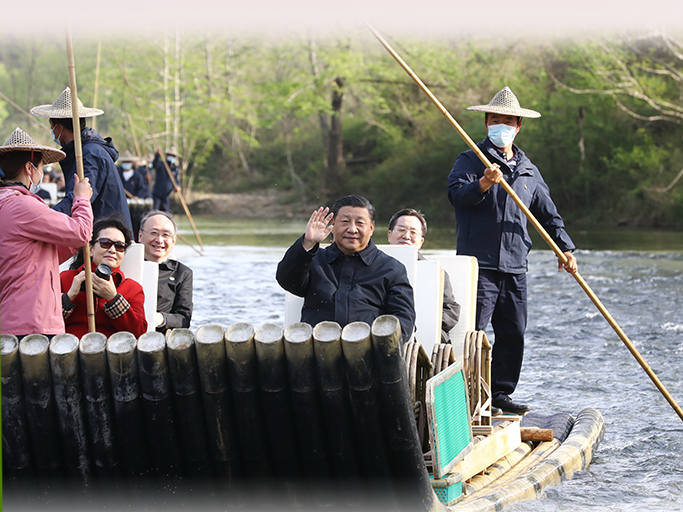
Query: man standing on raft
492	228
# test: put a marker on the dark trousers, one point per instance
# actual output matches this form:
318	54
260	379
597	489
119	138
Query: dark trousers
162	203
501	299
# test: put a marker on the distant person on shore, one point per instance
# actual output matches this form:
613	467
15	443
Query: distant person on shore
133	180
163	184
492	228
409	227
351	280
99	155
35	239
119	302
158	231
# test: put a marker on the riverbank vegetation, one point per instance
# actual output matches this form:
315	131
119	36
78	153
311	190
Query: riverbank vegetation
317	117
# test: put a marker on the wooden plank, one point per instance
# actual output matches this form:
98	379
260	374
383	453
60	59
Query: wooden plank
489	450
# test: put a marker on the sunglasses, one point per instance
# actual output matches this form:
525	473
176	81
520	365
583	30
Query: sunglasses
106	243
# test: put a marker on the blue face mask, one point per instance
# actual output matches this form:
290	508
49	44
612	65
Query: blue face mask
35	187
502	135
127	166
170	160
54	137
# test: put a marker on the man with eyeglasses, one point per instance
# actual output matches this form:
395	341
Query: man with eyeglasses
409	227
158	232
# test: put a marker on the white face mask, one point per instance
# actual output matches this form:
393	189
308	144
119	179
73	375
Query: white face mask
502	135
35	187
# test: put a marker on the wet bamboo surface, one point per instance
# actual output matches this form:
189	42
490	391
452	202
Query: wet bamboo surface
226	414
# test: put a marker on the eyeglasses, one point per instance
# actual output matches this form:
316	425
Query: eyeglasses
402	230
165	235
106	244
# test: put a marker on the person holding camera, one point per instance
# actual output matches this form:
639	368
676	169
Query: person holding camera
119	302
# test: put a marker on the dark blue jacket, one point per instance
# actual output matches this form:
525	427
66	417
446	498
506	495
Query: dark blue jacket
99	156
137	184
163	185
490	225
347	289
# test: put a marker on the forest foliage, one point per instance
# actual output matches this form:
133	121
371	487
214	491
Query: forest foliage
320	117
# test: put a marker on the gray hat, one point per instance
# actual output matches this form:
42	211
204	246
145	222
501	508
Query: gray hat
506	103
22	141
128	157
61	108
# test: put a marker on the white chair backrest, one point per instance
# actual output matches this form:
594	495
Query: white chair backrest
146	273
463	272
52	189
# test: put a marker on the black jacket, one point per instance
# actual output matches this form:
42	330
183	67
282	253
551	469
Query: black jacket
99	156
346	289
163	185
137	183
174	296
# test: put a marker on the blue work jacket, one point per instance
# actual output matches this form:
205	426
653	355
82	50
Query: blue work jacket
345	289
490	226
99	155
163	185
137	184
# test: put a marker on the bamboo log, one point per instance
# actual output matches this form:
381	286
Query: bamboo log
68	398
155	384
40	405
372	449
125	386
187	394
78	152
243	373
213	377
277	406
99	404
306	400
16	446
336	408
410	476
537	225
536	434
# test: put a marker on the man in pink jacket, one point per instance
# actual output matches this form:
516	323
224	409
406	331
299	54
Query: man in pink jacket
35	239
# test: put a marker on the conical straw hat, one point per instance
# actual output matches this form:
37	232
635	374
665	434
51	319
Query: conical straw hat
22	141
506	103
61	108
128	157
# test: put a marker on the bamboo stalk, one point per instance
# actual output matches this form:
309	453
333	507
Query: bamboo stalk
78	149
68	398
97	81
151	134
187	394
591	295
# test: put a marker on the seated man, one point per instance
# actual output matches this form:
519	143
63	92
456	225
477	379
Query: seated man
158	233
409	227
351	280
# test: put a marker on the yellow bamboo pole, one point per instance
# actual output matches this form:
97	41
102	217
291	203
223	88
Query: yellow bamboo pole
97	82
151	134
89	299
594	298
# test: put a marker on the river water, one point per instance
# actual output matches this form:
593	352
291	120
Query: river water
573	357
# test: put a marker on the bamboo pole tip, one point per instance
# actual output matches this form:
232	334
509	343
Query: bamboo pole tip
121	343
151	342
239	332
355	331
180	339
93	343
269	333
63	344
327	332
385	325
298	332
209	334
8	344
33	345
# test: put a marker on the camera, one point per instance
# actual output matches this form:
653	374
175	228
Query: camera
102	271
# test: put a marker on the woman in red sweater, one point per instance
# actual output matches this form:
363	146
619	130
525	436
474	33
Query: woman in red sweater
119	302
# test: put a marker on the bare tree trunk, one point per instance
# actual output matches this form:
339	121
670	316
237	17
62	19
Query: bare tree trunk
335	151
176	92
323	117
167	103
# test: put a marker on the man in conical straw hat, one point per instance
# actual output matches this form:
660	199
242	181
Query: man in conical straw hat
99	156
163	185
34	239
493	228
132	177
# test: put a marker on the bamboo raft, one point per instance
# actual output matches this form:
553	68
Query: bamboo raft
305	417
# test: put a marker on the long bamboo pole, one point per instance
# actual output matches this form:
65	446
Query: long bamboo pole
97	82
89	298
151	134
603	310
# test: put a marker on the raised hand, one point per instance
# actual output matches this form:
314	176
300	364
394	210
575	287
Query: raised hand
318	227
